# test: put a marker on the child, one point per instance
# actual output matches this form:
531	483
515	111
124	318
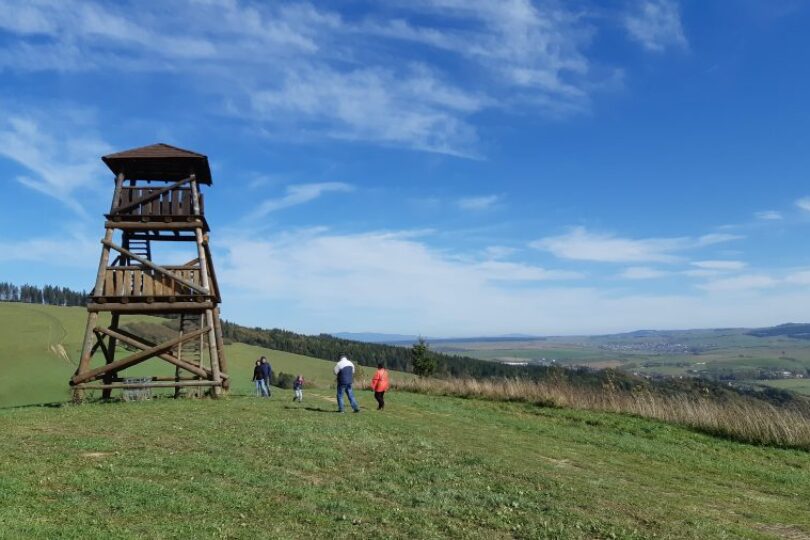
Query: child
298	389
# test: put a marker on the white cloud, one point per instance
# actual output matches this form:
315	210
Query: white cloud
397	282
298	70
801	277
717	238
768	215
656	24
499	252
299	194
59	153
720	265
804	203
413	109
485	202
581	244
740	283
71	249
642	272
702	273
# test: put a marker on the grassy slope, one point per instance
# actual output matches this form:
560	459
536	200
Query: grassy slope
31	372
426	467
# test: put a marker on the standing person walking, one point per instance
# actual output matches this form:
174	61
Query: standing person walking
379	383
298	389
267	373
344	371
258	378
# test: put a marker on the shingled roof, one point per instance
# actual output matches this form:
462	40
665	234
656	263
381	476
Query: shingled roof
159	162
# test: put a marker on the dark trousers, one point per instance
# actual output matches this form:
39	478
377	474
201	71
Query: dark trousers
380	397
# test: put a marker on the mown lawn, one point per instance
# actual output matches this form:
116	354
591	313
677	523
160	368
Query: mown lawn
427	467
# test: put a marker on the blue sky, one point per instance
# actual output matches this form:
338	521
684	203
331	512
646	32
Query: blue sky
444	167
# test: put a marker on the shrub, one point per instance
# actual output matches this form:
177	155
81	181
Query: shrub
283	380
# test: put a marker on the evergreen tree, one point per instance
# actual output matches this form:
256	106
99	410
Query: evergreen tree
423	362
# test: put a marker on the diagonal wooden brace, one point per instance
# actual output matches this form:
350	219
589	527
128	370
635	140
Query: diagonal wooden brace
155	267
99	343
130	339
136	358
151	196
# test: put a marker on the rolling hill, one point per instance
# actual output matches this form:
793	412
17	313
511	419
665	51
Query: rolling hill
40	346
428	466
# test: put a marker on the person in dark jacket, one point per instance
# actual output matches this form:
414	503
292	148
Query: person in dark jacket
258	378
344	371
267	373
298	389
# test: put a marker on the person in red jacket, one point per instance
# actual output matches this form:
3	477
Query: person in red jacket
379	383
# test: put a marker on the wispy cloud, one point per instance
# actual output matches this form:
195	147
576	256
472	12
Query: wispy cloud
656	24
60	155
299	194
71	248
485	202
804	203
385	281
740	283
720	265
768	215
581	244
301	70
642	272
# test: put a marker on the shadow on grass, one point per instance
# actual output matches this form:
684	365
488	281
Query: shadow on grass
51	405
311	409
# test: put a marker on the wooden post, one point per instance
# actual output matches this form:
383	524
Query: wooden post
92	318
223	363
110	356
204	280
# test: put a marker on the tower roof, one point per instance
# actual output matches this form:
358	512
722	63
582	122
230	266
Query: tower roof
159	162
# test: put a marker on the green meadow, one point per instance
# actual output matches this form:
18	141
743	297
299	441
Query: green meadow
40	347
426	467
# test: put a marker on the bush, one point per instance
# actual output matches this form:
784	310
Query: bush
283	380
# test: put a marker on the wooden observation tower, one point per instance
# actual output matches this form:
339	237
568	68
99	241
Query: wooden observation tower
156	203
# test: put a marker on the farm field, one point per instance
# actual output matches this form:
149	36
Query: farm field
707	353
426	467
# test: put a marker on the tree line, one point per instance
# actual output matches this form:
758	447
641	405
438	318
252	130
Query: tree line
419	359
49	294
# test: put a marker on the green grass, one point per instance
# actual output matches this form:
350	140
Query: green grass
427	467
32	370
801	386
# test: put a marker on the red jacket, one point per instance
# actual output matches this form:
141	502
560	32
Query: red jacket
379	383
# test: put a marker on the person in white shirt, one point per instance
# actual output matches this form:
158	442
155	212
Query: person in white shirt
344	372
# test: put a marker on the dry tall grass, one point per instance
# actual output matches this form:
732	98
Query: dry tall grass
742	418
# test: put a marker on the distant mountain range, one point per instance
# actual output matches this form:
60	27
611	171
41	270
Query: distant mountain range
375	337
793	330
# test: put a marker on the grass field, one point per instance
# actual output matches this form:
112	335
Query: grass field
40	347
427	467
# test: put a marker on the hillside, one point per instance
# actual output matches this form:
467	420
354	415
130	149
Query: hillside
778	357
40	345
427	467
